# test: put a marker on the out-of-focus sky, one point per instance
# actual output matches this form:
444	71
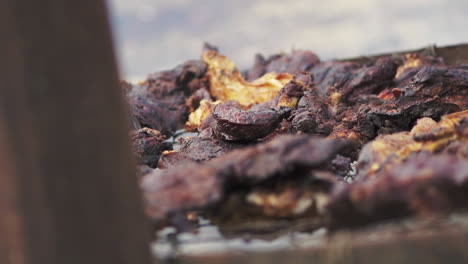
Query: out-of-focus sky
153	35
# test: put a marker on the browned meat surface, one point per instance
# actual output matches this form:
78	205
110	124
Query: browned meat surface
148	145
280	139
171	190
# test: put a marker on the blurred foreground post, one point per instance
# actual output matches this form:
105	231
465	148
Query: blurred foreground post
68	194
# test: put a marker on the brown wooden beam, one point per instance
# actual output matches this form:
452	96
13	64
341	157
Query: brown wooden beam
68	191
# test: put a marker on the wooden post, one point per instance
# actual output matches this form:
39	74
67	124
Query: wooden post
68	191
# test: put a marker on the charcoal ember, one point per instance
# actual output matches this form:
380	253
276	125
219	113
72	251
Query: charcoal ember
231	123
422	185
198	185
195	149
148	144
296	62
163	101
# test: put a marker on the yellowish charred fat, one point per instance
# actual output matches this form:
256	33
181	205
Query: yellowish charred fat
227	83
288	202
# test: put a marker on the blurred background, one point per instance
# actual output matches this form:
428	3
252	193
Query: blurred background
157	35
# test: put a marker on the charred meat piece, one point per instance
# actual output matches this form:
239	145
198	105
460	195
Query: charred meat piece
411	110
231	123
426	135
377	152
160	115
197	185
330	74
184	79
196	149
202	117
453	126
163	101
180	188
283	156
291	198
148	145
435	81
296	62
312	115
261	207
391	117
412	63
195	100
341	165
288	96
352	81
422	185
432	92
339	101
227	83
368	80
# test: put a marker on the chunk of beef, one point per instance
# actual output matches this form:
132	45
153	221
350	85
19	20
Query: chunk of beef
197	185
196	149
294	63
231	123
422	185
148	145
162	101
